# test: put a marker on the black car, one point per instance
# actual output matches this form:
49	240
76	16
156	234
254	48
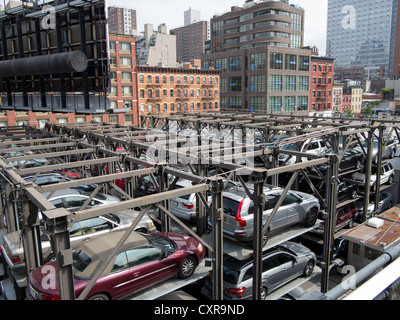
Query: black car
347	189
352	159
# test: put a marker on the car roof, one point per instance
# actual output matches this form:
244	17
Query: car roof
100	247
238	193
66	192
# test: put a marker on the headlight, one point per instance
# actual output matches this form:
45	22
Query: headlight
200	247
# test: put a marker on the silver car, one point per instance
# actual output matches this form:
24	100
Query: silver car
387	176
389	151
73	199
184	207
297	207
81	231
280	265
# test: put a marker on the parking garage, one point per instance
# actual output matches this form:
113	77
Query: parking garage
212	155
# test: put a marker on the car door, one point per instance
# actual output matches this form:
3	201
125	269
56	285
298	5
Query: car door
149	266
385	173
295	212
280	218
119	281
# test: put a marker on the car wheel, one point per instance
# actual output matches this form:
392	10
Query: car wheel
358	164
309	268
263	293
311	218
393	154
351	224
187	267
265	238
99	296
354	194
390	181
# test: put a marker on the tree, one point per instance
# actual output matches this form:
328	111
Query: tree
349	113
367	111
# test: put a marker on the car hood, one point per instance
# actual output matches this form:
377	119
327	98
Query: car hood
361	176
126	217
183	241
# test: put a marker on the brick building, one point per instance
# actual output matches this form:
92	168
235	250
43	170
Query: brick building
321	84
168	90
123	93
259	50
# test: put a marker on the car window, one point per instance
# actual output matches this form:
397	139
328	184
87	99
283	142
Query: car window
41	181
58	203
284	258
120	263
75	201
186	196
142	255
289	199
230	206
160	241
94	225
272	199
314	146
75	230
249	274
231	275
80	260
269	264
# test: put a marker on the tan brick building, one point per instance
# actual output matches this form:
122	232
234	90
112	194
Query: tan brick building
169	90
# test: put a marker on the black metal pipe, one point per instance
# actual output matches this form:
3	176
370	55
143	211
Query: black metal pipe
65	62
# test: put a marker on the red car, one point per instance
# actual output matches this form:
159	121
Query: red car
143	261
345	217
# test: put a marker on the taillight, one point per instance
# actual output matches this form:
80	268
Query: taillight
50	297
237	291
189	206
15	259
239	219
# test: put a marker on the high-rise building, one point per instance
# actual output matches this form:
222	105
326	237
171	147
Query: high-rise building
190	40
156	48
258	49
192	16
365	34
121	21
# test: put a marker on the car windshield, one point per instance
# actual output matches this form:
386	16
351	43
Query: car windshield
186	196
160	242
230	206
231	275
80	260
291	147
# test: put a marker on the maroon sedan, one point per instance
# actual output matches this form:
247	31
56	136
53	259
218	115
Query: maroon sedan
143	261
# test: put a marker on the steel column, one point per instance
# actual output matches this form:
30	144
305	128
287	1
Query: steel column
259	200
217	213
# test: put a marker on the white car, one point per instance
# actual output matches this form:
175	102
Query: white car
387	176
315	147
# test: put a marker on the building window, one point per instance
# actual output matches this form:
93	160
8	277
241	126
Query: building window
126	76
257	61
235	102
257	83
275	104
235	64
276	61
275	83
126	91
304	63
291	62
221	64
113	76
128	119
125	62
141	79
112	46
235	84
257	104
290	83
113	119
289	104
149	79
303	83
124	47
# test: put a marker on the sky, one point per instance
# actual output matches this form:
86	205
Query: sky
171	12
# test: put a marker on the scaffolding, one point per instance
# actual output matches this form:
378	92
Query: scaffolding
207	149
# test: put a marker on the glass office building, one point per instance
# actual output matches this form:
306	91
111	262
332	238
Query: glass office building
364	34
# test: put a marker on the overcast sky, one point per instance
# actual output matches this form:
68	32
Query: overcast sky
171	12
